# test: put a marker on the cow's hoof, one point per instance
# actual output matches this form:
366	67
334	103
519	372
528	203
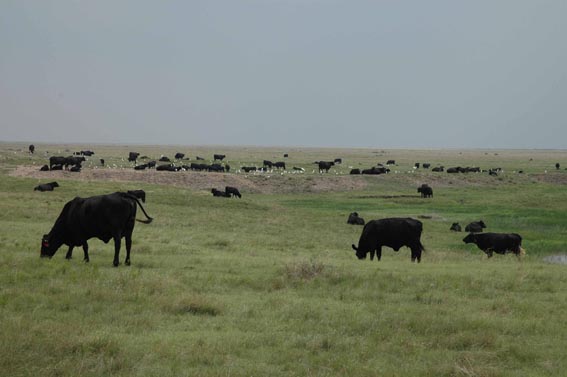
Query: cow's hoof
86	260
127	263
115	264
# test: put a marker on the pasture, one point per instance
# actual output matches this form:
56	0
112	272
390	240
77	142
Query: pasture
269	285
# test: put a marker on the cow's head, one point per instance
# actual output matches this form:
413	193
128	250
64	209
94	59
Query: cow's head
482	224
360	254
470	238
46	249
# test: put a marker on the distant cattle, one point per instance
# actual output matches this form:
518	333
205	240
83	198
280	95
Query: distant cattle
267	163
44	168
426	165
286	155
216	168
232	191
279	164
248	169
325	165
31	148
338	161
105	217
425	190
416	165
475	226
455	227
46	186
391	232
140	194
499	243
557	166
438	169
88	153
179	156
222	194
167	167
355	171
133	156
219	157
391	162
454	170
151	164
376	170
102	161
164	159
354	219
141	167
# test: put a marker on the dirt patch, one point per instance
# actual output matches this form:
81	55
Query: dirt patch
265	183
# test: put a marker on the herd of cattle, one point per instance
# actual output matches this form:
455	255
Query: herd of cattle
113	216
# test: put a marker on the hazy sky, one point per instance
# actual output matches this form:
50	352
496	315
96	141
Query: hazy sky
477	73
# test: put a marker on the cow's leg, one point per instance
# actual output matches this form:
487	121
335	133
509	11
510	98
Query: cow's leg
116	261
69	254
379	252
416	254
372	252
128	247
488	252
86	251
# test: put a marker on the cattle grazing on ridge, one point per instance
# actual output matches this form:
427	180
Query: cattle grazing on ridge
392	232
167	167
325	165
425	190
219	157
105	217
31	148
133	156
267	163
354	219
475	226
499	243
279	164
179	156
46	186
455	227
232	191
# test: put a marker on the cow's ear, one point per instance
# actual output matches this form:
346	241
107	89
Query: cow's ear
354	247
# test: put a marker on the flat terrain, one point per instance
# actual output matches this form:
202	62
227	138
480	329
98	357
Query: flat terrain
269	285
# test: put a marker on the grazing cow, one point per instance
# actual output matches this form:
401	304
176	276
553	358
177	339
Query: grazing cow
46	186
354	219
286	155
133	156
179	156
416	165
74	161
391	162
44	168
338	161
426	165
455	227
557	166
325	165
425	190
140	194
475	226
267	164
31	148
164	159
216	167
248	169
438	169
219	193
355	171
391	232
102	161
105	217
232	191
499	243
279	164
57	160
219	157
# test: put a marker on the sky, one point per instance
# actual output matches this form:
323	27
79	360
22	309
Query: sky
312	73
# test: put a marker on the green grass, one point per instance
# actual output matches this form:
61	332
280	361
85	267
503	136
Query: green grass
268	284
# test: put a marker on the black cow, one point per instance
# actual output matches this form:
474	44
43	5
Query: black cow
499	243
391	232
355	171
286	155
391	162
219	157
426	165
232	191
455	227
279	164
102	161
338	161
416	165
74	161
44	168
438	169
151	164
164	159
140	167
57	160
31	148
354	219
425	190
457	169
376	170
133	156
475	226
46	186
56	167
216	168
222	194
557	166
248	169
105	217
140	194
179	156
325	165
167	167
267	163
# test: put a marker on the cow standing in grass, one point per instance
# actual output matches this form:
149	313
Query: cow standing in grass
500	243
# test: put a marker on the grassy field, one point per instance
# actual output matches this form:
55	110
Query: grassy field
269	285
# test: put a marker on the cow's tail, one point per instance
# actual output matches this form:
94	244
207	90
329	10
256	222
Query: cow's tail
149	219
422	248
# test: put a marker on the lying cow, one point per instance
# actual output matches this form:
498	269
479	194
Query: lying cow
354	219
392	232
105	217
219	193
44	168
475	227
46	186
456	227
499	243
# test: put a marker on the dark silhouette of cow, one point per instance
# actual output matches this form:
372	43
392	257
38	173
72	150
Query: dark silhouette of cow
102	161
46	186
232	191
416	165
425	190
219	157
438	169
221	194
44	168
167	167
392	232
133	156
325	165
31	148
355	171
426	165
391	162
354	219
557	166
475	226
105	217
248	169
179	156
455	227
267	164
500	243
279	165
338	161
375	170
76	168
164	159
152	164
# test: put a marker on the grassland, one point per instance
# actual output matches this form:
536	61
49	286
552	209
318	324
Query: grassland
268	284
